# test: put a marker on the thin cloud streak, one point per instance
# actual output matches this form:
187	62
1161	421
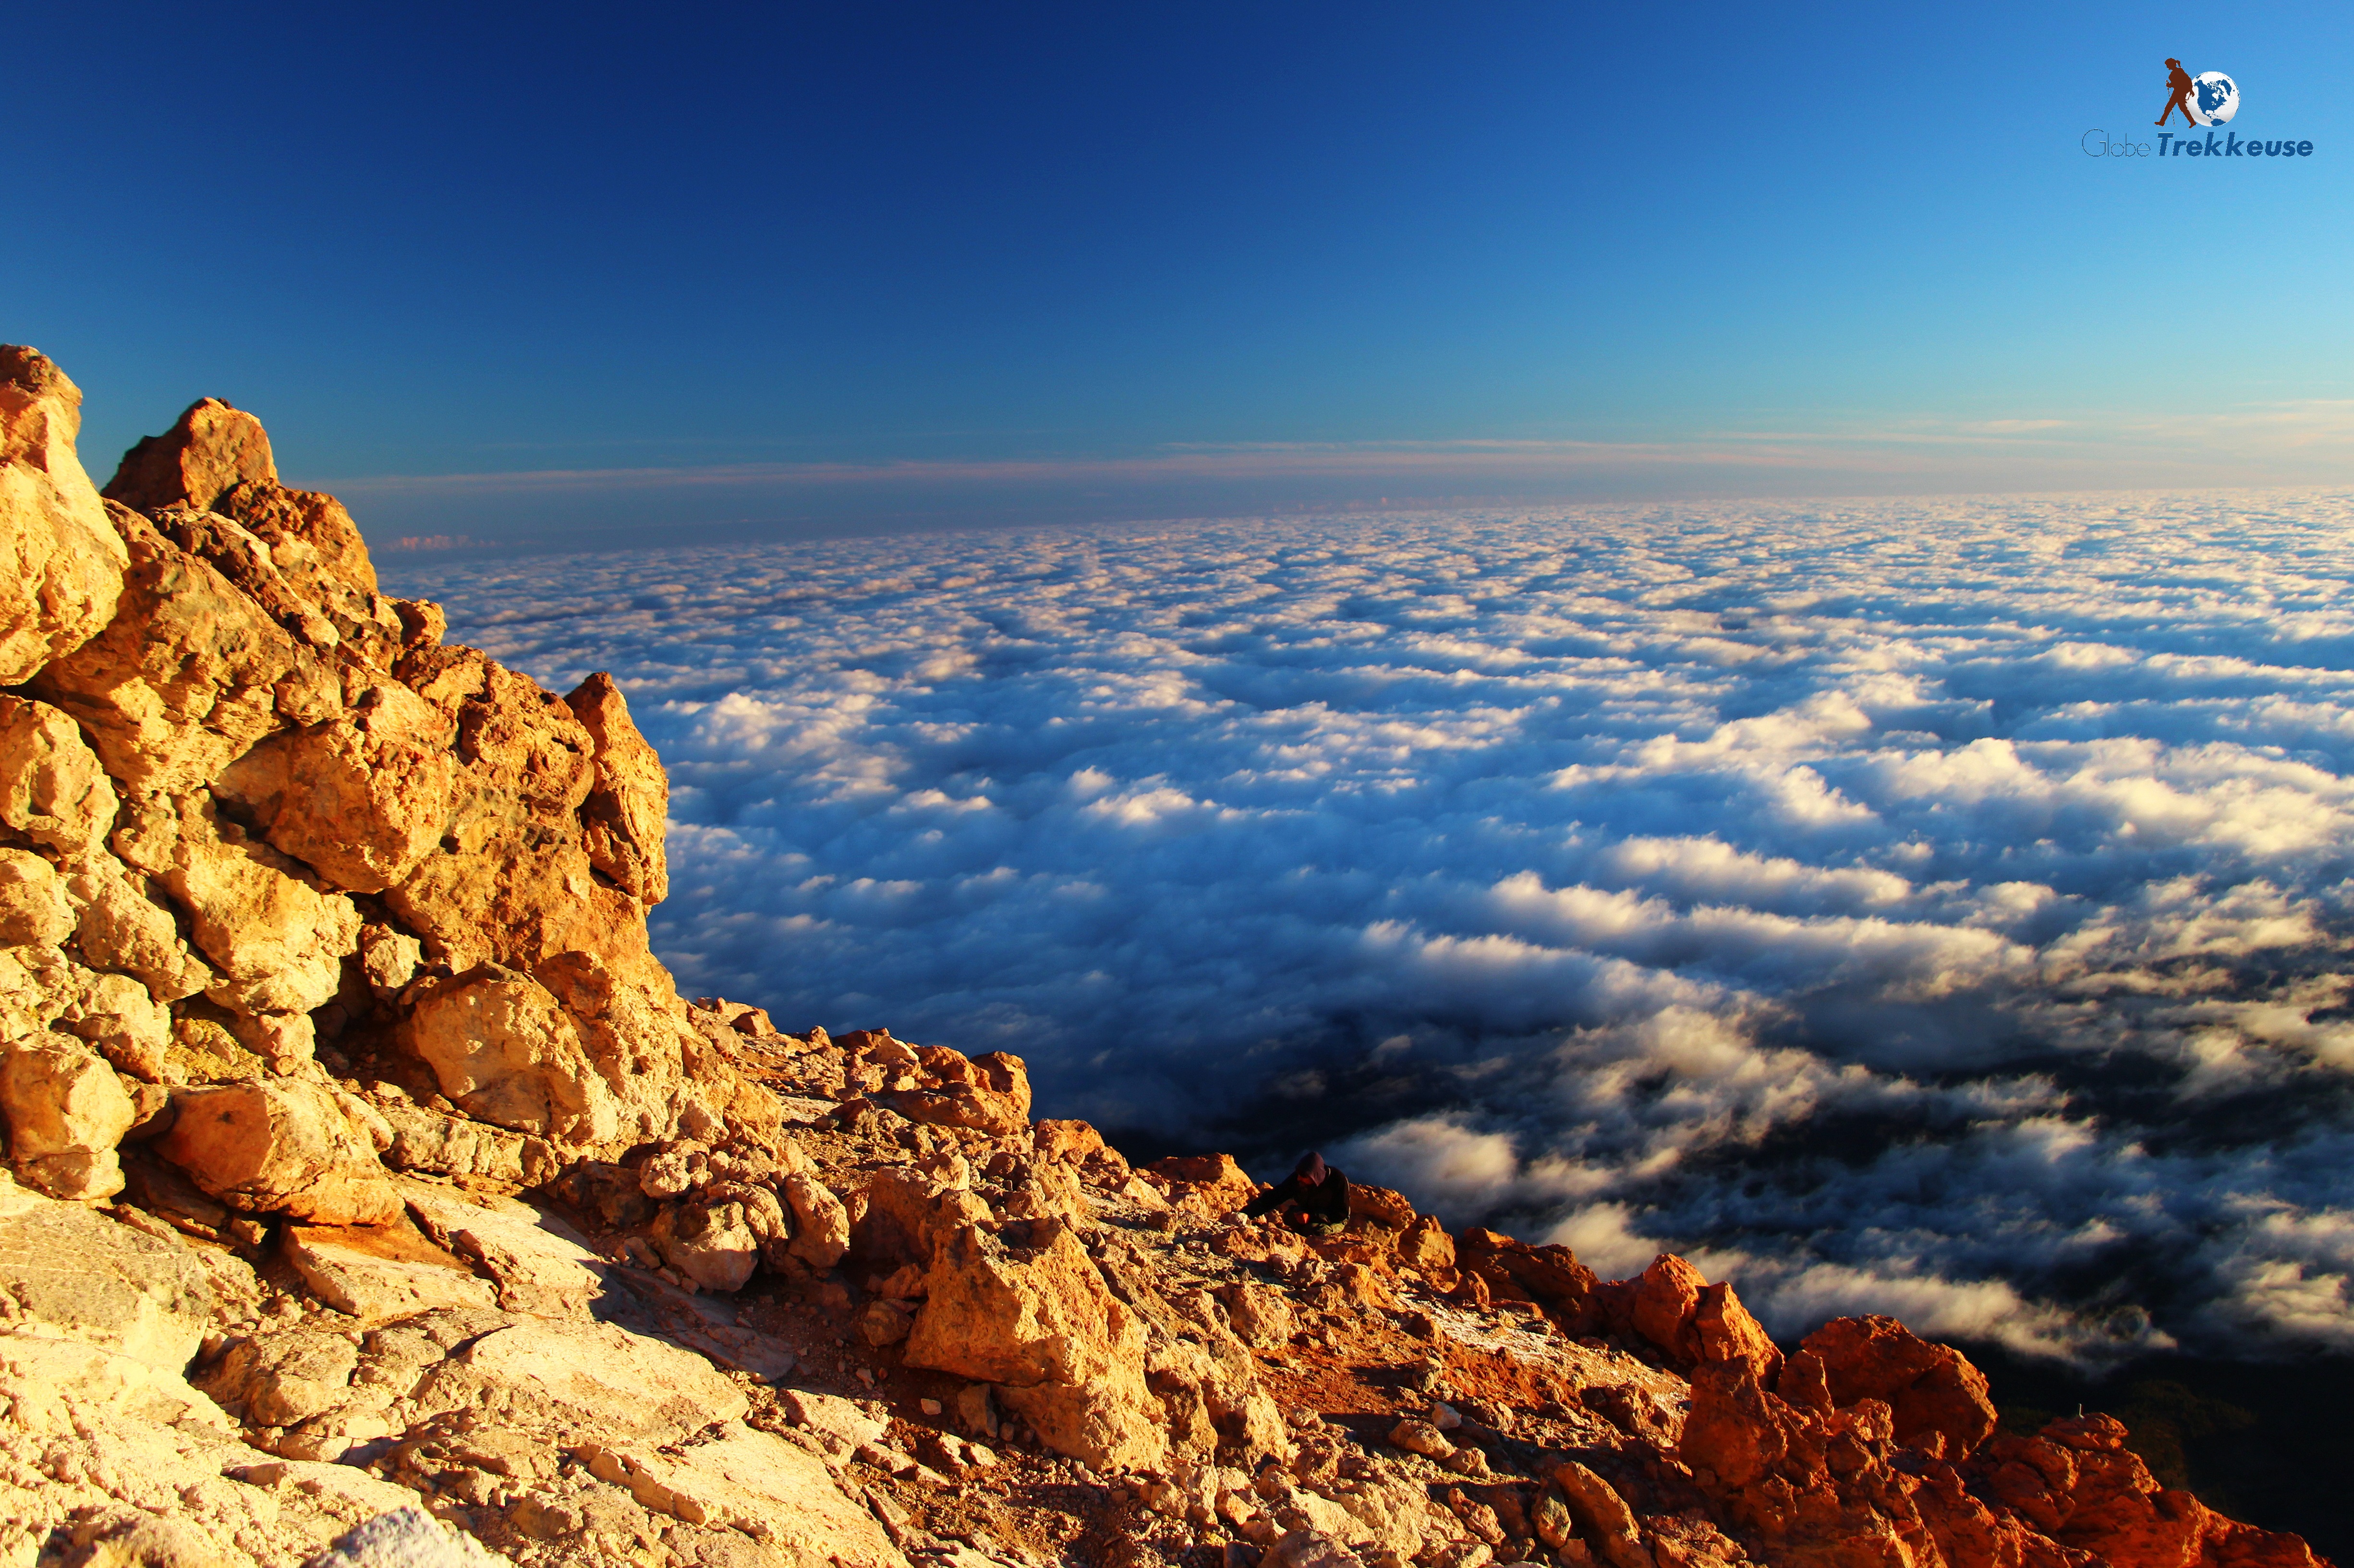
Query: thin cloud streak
2230	444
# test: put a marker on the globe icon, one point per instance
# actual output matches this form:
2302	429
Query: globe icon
2218	95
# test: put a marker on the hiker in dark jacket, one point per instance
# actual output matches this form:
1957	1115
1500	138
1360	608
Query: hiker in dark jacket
1320	1191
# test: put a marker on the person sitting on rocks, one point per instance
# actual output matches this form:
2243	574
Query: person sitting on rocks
1319	1192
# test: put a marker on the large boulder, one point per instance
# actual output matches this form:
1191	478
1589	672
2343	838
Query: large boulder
184	678
211	448
281	1147
61	563
66	1112
52	789
990	1092
278	940
506	1051
361	797
1039	1321
1930	1389
624	814
73	1274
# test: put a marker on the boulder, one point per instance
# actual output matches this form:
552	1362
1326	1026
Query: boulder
713	1244
1039	1322
73	1274
1928	1388
119	925
381	1273
1603	1515
1220	1184
210	450
989	1093
539	1263
754	1482
184	678
1425	1244
820	1220
278	941
33	903
66	1112
61	563
283	1146
598	1375
506	1051
52	789
911	1213
624	816
359	800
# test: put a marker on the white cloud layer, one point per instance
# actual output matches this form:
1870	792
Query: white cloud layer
1930	907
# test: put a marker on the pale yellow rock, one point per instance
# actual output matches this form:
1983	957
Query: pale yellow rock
625	813
1040	1324
278	941
119	925
61	564
453	1146
711	1244
130	1028
66	1112
360	803
389	958
33	904
598	1375
539	1263
504	1051
52	789
183	680
757	1483
371	1274
282	1147
820	1220
639	1045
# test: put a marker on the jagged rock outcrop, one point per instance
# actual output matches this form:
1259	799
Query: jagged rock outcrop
371	1190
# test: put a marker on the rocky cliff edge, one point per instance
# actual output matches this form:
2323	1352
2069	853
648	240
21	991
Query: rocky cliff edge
372	1196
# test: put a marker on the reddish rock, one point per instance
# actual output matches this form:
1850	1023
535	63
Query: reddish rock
1933	1390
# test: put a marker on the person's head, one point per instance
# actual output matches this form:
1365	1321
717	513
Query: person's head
1309	1170
2175	64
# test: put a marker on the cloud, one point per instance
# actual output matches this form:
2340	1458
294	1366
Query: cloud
1927	908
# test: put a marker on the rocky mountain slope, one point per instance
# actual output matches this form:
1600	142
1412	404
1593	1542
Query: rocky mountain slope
374	1197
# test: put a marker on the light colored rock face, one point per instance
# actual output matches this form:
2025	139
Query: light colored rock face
277	940
33	904
625	811
52	789
594	1373
183	680
361	801
60	564
120	924
73	1274
66	1112
504	1051
758	1484
379	1274
284	1146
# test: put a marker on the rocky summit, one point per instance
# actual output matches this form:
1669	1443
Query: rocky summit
372	1198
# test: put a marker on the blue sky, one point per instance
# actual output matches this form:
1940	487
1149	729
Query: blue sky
605	272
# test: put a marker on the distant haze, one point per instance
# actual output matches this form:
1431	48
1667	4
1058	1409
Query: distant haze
1931	907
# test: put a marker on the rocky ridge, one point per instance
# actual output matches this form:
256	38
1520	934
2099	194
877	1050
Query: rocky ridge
372	1196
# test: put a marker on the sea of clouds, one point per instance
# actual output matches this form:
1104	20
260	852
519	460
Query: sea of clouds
1929	908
